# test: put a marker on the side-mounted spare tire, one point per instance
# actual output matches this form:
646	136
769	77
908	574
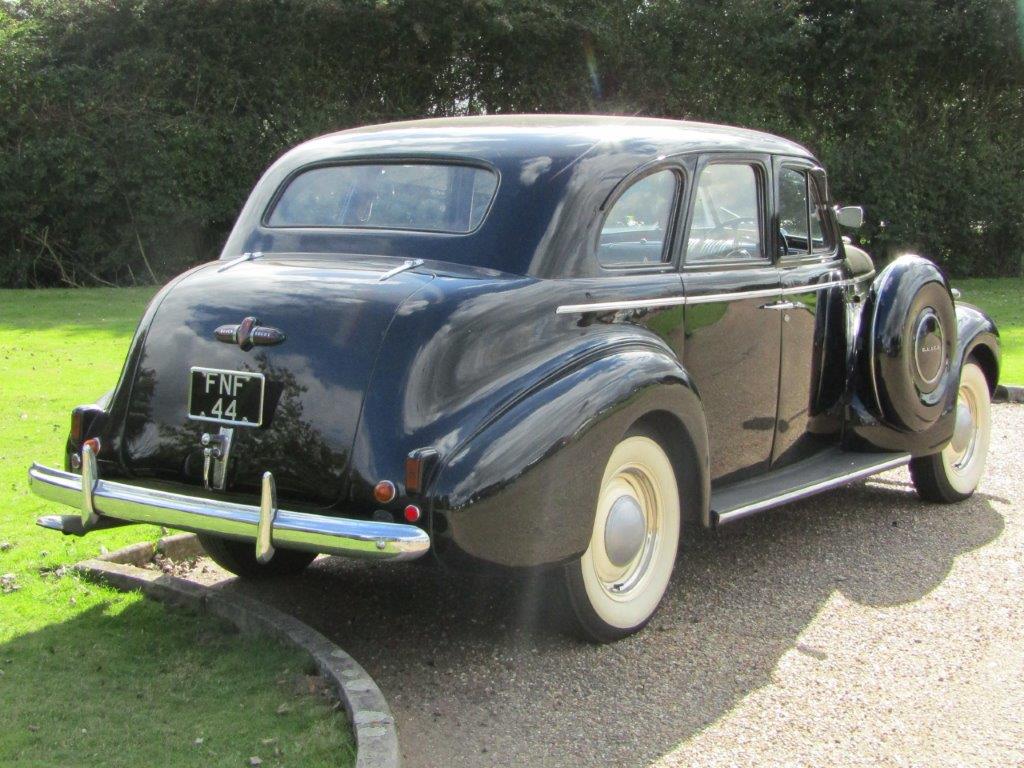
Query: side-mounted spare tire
909	340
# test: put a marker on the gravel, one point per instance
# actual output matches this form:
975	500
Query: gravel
862	627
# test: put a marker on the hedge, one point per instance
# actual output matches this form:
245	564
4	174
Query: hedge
132	130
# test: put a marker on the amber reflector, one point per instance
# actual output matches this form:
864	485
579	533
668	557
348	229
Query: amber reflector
384	491
412	513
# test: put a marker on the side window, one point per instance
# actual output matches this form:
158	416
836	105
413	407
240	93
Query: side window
801	213
821	239
793	217
726	221
637	228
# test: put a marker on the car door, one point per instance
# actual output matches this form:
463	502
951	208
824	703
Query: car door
813	327
732	333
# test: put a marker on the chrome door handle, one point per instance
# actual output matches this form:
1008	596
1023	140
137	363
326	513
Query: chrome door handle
781	305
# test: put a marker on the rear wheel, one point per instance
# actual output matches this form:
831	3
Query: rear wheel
618	583
239	557
954	473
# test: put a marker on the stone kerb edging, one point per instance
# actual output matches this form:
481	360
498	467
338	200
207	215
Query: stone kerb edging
372	723
1008	393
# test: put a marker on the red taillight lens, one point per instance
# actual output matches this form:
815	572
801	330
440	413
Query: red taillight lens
413	513
94	445
384	491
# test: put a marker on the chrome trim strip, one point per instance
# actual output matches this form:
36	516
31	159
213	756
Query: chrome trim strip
247	256
809	490
289	530
710	298
410	264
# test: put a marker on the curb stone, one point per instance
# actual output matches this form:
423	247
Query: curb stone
1008	393
376	736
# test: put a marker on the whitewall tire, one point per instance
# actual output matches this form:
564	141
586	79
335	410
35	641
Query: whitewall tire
618	583
953	474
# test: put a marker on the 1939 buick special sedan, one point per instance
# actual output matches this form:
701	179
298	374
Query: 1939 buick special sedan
533	342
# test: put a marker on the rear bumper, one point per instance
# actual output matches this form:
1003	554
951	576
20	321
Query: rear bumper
102	502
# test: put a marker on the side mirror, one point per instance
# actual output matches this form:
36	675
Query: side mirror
851	216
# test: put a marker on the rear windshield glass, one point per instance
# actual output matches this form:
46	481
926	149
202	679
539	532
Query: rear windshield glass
419	196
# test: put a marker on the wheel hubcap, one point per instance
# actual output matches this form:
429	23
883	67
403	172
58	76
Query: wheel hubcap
624	530
965	431
630	531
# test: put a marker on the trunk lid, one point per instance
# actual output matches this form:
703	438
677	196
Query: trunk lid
333	313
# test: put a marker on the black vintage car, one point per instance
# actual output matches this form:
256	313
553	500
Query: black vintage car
533	342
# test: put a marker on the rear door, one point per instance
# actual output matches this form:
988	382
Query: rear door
732	332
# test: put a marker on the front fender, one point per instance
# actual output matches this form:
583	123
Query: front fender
522	491
977	335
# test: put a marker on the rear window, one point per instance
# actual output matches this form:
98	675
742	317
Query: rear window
417	196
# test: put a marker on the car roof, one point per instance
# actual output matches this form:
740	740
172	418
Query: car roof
494	137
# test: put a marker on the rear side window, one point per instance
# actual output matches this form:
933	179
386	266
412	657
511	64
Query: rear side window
636	230
417	196
726	221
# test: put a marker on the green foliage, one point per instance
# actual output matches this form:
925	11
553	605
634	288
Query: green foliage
132	130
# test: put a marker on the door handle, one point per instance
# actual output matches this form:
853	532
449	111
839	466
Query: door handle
781	305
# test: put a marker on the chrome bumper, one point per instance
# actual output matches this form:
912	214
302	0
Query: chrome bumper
103	501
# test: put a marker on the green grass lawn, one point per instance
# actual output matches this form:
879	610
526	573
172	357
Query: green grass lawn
1003	299
90	676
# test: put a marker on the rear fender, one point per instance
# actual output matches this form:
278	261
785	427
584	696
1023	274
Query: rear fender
522	491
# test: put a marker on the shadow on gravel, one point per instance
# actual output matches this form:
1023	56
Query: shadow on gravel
476	675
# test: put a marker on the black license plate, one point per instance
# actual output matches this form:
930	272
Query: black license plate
226	397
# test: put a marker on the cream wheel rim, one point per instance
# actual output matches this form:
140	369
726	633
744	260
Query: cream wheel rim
963	459
632	550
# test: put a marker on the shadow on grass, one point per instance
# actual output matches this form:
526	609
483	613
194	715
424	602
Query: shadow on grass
139	684
478	674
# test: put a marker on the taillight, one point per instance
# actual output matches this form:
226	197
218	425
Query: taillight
417	469
82	419
384	491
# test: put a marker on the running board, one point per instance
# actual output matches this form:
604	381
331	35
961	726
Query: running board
829	469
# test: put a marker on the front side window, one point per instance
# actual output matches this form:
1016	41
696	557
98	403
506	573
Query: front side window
801	212
726	221
793	212
820	239
636	229
416	196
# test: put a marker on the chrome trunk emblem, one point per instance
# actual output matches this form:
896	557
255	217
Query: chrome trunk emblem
249	333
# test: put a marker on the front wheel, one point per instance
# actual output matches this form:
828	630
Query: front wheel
239	557
954	473
616	586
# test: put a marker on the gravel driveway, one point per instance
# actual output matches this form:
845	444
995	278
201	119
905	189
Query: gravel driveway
861	627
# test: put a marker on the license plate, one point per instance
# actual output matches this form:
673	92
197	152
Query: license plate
226	397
